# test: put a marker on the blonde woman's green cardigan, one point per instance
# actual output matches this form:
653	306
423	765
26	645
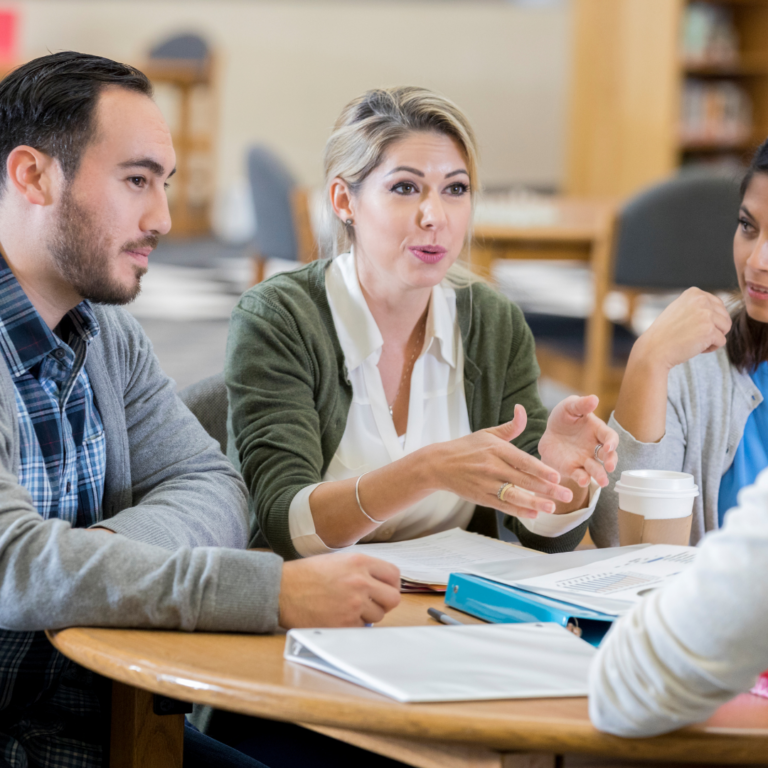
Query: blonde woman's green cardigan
289	393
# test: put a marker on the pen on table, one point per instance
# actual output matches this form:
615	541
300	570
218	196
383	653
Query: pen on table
443	618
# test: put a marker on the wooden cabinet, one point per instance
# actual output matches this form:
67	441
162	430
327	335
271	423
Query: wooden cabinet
645	100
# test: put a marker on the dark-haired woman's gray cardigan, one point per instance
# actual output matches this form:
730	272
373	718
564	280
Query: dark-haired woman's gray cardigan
289	393
708	404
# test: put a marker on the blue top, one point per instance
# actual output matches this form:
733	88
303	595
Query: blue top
752	454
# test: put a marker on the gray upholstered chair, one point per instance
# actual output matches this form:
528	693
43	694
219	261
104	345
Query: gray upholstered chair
680	233
187	49
281	207
207	399
272	186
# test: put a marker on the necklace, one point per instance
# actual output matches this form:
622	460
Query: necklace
416	348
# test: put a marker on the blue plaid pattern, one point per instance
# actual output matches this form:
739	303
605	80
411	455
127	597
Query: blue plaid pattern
49	707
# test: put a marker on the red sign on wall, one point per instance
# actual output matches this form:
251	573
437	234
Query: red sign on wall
9	35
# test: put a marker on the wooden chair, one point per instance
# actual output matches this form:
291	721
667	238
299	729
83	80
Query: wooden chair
282	209
672	236
187	65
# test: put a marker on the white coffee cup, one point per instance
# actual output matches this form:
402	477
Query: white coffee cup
655	506
656	494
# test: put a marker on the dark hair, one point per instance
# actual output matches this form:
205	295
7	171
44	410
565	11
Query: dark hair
747	343
48	104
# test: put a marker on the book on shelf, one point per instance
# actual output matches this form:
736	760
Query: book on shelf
715	112
709	36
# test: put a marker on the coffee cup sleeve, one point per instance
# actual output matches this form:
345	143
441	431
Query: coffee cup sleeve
636	529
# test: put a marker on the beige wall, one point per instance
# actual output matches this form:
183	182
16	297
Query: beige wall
288	67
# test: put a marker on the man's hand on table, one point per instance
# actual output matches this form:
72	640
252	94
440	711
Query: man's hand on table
344	590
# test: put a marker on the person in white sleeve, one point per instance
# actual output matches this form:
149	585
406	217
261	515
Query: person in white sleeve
696	643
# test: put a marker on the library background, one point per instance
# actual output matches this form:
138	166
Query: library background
579	105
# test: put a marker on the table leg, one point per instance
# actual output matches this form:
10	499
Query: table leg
432	754
139	737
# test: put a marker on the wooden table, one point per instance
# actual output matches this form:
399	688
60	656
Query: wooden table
247	674
582	230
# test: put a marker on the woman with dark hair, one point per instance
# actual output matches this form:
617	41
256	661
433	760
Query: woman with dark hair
683	409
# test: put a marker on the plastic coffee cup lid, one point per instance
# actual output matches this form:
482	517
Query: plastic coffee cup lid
657	483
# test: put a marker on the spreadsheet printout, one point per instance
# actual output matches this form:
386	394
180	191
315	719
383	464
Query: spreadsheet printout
628	577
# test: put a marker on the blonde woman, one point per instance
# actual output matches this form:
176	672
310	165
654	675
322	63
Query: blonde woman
382	394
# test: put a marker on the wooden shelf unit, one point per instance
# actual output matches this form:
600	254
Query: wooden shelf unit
627	83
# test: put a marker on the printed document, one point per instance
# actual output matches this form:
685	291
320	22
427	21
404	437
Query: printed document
432	559
628	577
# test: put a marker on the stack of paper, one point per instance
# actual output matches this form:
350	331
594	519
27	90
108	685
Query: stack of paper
410	664
428	562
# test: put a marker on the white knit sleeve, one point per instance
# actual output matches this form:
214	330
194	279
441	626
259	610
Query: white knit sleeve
697	643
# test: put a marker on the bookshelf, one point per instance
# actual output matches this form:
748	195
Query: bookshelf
657	84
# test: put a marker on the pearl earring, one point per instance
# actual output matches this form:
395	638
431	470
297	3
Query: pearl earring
348	223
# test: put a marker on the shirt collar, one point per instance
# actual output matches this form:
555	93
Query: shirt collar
440	323
356	328
25	339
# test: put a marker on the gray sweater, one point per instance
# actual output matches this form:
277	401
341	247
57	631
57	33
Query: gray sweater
178	504
708	404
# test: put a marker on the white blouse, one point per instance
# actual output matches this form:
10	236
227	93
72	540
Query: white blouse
437	411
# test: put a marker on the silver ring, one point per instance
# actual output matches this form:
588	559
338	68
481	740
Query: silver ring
502	490
597	450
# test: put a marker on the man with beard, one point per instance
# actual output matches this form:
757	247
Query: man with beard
116	509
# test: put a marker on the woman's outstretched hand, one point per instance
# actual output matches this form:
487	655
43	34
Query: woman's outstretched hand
572	435
476	466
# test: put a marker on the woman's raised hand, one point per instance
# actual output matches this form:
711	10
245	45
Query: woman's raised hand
693	323
570	441
476	466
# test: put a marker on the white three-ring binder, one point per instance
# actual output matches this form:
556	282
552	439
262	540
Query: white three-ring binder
438	663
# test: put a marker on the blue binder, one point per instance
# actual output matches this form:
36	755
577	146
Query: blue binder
502	604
